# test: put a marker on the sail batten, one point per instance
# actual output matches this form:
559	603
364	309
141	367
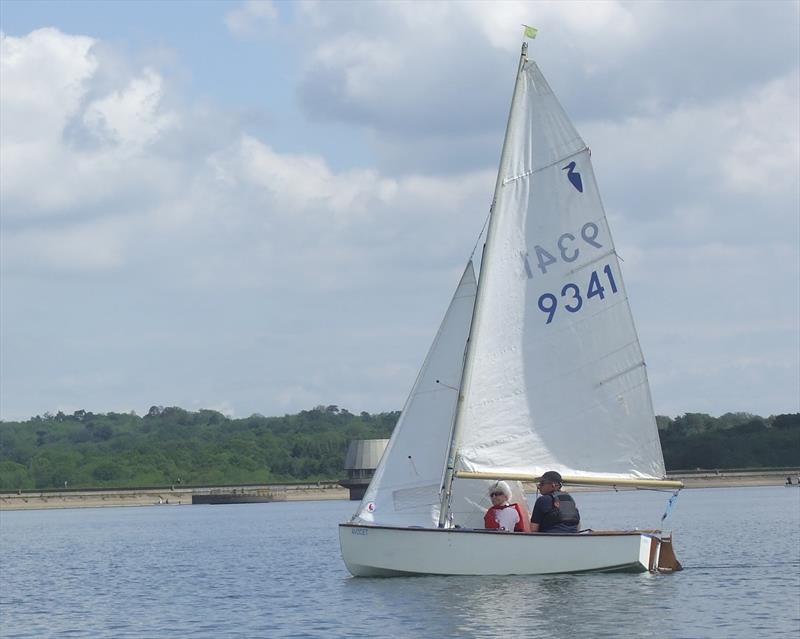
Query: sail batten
514	178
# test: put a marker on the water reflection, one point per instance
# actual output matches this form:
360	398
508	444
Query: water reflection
510	606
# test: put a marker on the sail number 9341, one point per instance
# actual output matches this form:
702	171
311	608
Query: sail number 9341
572	300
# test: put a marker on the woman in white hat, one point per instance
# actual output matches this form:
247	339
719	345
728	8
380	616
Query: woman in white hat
503	515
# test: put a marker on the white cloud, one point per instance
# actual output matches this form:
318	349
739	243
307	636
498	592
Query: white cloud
742	146
305	183
45	85
414	70
611	22
130	118
84	246
136	190
44	76
252	18
764	151
305	284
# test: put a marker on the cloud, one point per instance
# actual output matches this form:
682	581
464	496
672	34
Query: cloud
764	153
131	118
361	70
66	152
423	77
163	236
305	183
737	153
87	246
141	181
145	233
251	19
44	75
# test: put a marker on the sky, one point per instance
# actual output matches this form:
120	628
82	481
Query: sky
261	207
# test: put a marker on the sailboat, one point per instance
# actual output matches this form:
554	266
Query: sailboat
536	366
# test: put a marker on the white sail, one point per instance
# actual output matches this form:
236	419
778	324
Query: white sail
405	489
557	375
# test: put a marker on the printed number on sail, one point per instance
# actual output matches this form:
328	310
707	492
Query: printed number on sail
571	296
568	251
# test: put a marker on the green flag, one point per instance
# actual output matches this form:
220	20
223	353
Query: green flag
530	32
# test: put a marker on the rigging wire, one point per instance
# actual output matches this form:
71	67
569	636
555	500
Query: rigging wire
478	239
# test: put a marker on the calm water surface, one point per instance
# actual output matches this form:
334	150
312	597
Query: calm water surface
274	570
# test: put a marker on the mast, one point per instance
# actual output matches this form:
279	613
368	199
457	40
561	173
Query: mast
447	483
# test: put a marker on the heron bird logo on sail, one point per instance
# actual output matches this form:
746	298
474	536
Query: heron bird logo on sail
574	176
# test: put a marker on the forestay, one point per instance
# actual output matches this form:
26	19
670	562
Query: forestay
405	490
557	379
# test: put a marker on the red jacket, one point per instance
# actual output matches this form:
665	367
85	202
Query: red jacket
490	519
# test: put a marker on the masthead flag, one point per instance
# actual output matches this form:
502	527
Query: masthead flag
530	32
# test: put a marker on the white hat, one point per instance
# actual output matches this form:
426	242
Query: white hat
500	487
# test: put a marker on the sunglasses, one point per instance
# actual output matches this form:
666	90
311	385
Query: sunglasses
497	494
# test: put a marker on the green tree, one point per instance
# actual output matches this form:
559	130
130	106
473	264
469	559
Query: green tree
14	476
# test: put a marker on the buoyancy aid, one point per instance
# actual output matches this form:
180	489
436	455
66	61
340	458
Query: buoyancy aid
564	511
490	520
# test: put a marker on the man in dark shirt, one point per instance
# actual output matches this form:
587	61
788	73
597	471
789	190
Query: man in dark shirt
554	511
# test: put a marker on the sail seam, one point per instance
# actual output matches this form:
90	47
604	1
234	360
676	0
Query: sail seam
620	374
434	390
546	166
579	322
590	262
594	362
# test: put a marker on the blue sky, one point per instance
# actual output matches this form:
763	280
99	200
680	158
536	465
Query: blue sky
262	207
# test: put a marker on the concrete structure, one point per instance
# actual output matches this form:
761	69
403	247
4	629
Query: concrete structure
360	463
226	496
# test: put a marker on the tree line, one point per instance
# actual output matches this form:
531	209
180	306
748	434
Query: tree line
173	446
734	440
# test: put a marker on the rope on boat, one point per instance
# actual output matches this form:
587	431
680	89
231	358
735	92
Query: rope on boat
478	239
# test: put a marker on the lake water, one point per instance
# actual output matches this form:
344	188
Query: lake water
274	570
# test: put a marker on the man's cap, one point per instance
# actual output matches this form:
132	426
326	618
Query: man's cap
551	475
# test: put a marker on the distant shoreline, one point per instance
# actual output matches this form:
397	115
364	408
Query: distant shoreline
175	496
318	491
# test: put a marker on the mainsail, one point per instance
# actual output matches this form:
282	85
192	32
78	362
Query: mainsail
405	490
556	377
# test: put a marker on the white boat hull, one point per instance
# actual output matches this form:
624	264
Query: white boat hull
384	551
